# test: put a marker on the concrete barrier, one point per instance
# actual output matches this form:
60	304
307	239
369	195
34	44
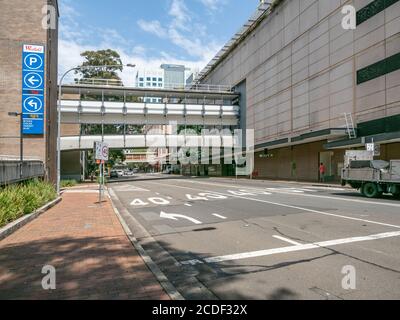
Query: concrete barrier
14	171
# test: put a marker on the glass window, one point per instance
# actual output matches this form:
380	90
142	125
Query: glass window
148	79
160	85
154	79
141	79
141	84
148	84
160	79
154	84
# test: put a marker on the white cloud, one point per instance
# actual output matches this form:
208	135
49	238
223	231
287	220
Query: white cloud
190	36
182	30
69	57
180	14
153	27
213	4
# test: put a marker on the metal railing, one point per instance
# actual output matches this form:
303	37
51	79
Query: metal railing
175	87
14	171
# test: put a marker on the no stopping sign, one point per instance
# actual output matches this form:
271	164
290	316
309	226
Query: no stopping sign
101	151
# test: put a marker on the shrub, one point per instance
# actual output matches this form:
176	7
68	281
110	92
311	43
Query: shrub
21	199
68	183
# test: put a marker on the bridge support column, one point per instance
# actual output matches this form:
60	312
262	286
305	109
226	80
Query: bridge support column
71	165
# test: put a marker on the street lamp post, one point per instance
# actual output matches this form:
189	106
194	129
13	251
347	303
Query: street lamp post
59	112
21	141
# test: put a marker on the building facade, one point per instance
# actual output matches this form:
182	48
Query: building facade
174	75
24	23
306	83
152	79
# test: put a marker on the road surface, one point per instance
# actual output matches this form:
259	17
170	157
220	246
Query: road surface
217	238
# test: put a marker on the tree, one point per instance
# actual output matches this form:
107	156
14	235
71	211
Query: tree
101	58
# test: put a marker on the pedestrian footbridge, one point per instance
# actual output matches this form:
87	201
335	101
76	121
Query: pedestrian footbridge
207	105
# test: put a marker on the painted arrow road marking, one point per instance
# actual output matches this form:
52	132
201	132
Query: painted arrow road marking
173	216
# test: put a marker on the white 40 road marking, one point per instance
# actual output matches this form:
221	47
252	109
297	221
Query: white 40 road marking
157	201
245	192
205	197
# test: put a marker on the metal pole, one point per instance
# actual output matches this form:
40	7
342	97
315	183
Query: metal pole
59	138
21	151
100	182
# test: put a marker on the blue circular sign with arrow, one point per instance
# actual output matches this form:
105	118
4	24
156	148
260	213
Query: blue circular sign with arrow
33	80
33	104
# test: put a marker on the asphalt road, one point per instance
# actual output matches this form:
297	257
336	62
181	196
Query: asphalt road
240	239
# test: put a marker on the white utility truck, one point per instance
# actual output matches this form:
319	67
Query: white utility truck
371	177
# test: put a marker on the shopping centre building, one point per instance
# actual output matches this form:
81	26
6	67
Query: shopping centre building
29	40
310	88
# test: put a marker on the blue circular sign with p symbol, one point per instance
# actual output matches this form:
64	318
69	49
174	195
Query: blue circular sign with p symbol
33	104
33	61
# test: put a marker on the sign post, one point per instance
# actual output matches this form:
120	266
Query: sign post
375	148
33	64
101	152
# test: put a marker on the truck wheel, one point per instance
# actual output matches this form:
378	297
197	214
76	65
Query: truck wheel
370	190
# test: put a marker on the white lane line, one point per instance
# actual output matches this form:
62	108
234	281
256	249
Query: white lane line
326	188
301	247
288	240
290	206
188	205
303	194
219	216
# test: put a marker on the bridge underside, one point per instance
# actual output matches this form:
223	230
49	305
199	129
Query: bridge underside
149	141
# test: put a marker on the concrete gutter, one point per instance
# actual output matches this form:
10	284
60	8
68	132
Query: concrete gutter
160	276
19	223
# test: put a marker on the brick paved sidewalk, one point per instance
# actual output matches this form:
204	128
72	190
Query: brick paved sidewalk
86	244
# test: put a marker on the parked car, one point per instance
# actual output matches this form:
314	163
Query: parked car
120	173
114	174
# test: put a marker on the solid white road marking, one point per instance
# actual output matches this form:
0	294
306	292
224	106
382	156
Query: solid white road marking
302	194
219	216
292	207
301	247
173	216
288	240
326	188
188	205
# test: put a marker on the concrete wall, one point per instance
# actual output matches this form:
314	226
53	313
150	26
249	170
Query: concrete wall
300	67
21	23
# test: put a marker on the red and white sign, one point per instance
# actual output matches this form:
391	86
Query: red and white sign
101	151
33	48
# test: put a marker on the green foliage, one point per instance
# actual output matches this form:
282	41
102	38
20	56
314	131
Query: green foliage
19	200
68	183
101	58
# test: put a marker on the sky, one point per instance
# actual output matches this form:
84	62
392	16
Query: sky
148	33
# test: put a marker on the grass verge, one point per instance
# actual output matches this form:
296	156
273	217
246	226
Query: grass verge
68	183
21	199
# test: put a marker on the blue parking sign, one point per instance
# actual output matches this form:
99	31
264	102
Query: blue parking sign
33	80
